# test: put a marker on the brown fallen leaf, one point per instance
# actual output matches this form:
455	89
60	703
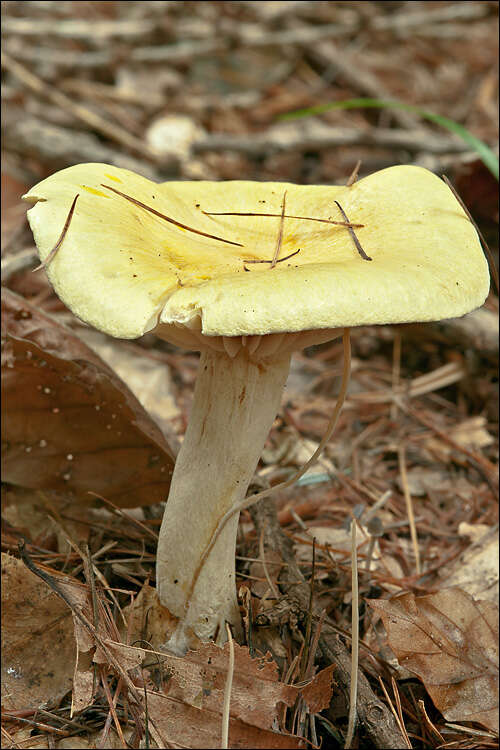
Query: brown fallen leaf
318	693
187	726
476	570
38	644
149	623
451	642
199	678
69	423
189	710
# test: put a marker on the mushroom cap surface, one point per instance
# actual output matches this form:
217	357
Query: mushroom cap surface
127	271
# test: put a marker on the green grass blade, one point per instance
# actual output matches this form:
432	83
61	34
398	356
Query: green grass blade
486	155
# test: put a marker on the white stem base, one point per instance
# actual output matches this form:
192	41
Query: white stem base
235	403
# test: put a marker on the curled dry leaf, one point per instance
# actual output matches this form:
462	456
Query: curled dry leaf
451	642
69	423
38	645
477	569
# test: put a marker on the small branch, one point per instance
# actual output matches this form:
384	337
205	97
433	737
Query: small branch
280	260
353	691
409	507
350	69
110	129
353	234
227	691
354	174
312	134
59	242
151	210
286	216
280	233
61	147
410	20
71	28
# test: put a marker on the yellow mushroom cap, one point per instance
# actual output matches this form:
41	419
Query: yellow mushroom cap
125	270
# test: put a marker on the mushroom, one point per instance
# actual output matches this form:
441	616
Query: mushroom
228	269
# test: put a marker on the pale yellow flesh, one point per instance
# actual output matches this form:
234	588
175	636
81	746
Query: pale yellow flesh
122	269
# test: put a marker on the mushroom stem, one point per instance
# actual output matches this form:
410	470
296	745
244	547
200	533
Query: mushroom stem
235	402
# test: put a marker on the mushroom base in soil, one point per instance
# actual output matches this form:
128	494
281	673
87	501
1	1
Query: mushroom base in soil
237	396
246	273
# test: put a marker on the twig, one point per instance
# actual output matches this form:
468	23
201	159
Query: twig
441	377
315	135
60	147
112	705
410	20
314	645
227	691
153	211
262	555
286	216
399	708
62	58
353	693
486	467
241	36
351	70
400	724
95	121
280	233
50	257
307	635
409	507
71	28
120	512
354	174
353	234
109	718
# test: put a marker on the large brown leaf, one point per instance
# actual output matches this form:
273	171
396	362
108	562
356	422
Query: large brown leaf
38	643
451	642
188	712
68	421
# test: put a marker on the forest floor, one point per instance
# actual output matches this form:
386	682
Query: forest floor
200	91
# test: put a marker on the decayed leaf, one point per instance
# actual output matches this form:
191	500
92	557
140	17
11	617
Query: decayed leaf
189	710
38	645
318	693
451	642
69	423
148	620
200	677
186	726
476	570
